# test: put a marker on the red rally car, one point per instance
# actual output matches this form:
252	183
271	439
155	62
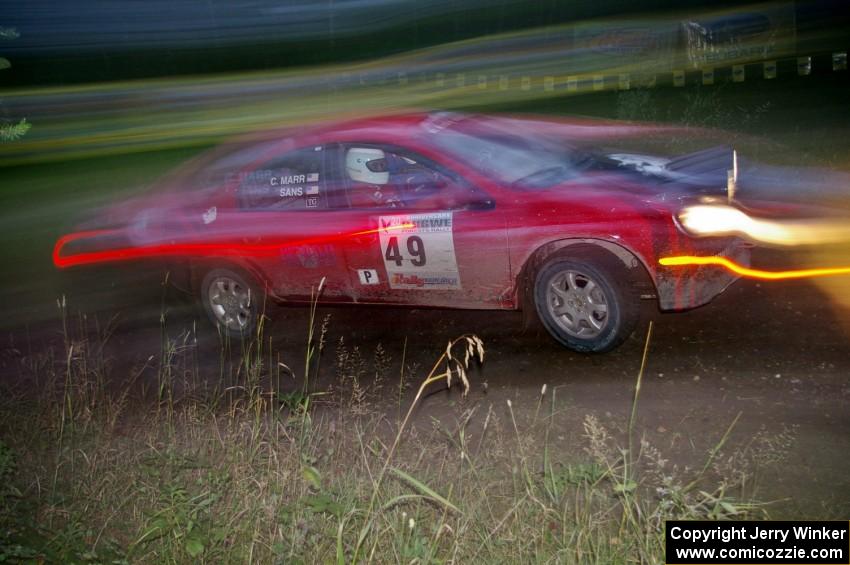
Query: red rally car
436	210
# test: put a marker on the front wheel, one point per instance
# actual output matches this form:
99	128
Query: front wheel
231	302
585	304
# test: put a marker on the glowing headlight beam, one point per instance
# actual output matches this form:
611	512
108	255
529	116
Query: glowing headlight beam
730	265
201	249
708	220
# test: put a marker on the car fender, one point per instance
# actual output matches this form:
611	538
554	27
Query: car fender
636	265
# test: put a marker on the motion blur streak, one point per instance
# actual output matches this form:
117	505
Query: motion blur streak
536	63
752	273
222	249
705	220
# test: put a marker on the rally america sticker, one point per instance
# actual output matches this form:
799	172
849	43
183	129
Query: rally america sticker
420	255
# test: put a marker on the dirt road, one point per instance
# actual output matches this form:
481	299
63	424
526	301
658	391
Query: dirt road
775	353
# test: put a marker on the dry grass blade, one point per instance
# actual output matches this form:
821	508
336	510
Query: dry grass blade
432	377
427	491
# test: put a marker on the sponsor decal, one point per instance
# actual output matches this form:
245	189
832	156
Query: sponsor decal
312	202
400	280
418	251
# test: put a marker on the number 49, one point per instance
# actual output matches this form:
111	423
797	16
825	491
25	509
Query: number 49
415	247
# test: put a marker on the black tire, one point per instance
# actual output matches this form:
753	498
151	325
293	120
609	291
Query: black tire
586	304
232	301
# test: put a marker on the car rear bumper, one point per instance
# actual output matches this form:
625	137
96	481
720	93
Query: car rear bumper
689	286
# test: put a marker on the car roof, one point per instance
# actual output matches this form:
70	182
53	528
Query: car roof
407	124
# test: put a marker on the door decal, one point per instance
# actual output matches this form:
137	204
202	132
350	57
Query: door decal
421	256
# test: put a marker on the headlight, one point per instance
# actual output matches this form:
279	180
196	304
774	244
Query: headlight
718	220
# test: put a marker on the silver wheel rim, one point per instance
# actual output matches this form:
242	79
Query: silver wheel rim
230	303
577	304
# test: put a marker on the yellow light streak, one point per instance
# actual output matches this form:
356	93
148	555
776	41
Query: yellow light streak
730	265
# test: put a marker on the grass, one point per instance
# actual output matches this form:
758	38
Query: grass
168	465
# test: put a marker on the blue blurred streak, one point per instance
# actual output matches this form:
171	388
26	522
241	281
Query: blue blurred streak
78	26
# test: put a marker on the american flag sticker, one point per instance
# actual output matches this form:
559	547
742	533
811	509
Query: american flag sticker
312	190
313	177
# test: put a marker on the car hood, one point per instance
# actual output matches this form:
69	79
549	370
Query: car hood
654	178
700	173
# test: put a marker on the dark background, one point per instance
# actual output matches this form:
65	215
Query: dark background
90	41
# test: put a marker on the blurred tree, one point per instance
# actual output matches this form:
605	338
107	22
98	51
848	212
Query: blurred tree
10	131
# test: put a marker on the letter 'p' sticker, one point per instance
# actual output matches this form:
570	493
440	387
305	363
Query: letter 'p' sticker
368	276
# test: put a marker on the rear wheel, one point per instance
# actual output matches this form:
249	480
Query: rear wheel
586	304
231	301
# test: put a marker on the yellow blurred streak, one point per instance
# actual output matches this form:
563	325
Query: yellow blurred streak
836	288
691	260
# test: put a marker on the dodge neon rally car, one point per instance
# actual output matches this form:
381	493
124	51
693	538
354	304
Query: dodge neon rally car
440	210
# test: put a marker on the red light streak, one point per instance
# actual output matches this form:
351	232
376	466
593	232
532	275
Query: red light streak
214	249
753	273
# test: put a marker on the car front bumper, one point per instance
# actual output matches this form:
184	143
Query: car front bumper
689	286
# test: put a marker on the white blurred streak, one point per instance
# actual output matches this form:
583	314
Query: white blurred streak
719	220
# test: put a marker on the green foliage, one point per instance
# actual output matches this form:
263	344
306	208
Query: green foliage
11	548
324	502
636	105
698	107
7	472
183	521
425	490
560	479
11	131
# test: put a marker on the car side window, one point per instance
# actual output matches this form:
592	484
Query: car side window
384	177
290	182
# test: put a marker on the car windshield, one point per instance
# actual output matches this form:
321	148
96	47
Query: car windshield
511	159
